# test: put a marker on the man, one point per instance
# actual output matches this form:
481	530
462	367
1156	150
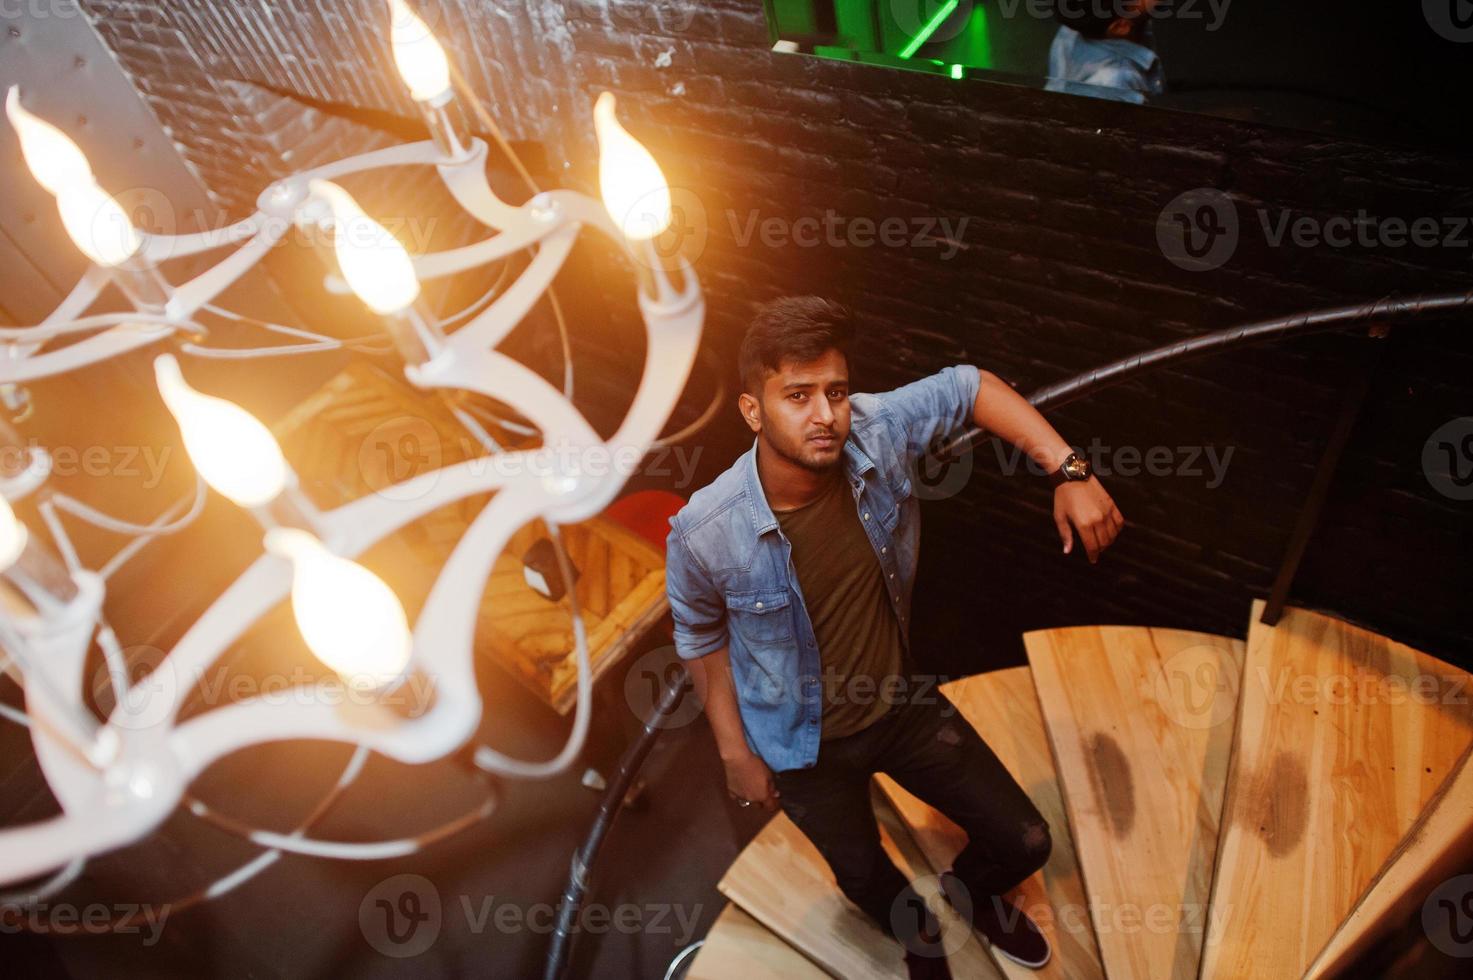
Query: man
798	562
1104	48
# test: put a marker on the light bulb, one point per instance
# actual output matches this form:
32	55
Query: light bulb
376	266
635	191
229	446
53	158
352	621
421	59
97	224
12	535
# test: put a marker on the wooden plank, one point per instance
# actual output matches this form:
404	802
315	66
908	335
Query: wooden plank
1003	707
1141	723
738	947
1344	737
1439	847
782	881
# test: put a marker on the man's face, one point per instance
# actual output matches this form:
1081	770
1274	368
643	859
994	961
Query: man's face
802	403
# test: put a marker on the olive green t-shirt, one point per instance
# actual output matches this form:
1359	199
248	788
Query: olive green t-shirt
859	640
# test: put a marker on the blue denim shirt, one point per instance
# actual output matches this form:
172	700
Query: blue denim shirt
1109	68
729	570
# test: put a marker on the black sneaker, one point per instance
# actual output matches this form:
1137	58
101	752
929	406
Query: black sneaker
1007	927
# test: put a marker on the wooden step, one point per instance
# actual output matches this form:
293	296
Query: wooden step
1437	848
1343	738
1003	708
782	881
738	947
1141	724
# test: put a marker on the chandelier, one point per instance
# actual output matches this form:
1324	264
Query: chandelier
117	778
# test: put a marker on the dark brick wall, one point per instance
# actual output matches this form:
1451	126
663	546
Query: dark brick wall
1057	270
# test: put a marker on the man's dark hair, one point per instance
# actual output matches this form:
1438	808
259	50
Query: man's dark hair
1092	18
797	328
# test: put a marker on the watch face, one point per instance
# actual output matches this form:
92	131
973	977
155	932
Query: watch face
1076	468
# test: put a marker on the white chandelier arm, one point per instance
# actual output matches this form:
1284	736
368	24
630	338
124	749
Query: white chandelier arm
121	339
466	181
501	317
492	373
443	640
551	212
83	295
259	588
186	300
437	265
161	248
409	154
35	849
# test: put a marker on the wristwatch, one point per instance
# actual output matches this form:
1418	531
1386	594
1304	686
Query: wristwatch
1074	469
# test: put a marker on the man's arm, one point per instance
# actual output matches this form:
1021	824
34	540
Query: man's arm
747	776
701	642
1003	412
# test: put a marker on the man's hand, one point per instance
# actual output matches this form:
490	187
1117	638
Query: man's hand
1089	508
748	778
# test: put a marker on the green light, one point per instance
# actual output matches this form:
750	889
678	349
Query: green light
930	28
956	71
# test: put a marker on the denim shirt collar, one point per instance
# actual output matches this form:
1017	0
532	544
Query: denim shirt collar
856	463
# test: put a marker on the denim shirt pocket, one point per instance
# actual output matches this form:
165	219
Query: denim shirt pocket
761	617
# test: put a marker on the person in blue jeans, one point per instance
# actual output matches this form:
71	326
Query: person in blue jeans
790	578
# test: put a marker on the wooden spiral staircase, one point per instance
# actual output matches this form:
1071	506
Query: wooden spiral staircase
1219	809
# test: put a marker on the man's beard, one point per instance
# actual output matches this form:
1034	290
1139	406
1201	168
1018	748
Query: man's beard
806	454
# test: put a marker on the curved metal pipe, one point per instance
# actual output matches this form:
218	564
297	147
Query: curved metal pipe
1062	392
608	809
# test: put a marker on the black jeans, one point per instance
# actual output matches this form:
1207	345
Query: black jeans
931	750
